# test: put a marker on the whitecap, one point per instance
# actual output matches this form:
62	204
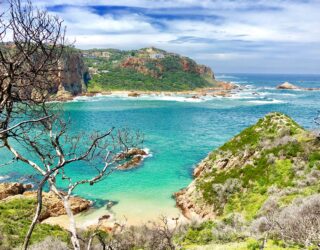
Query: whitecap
4	177
147	150
273	101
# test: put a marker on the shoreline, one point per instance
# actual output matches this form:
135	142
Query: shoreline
223	89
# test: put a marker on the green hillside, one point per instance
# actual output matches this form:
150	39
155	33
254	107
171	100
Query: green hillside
145	69
253	181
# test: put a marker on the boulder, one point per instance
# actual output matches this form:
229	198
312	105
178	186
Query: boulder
10	189
133	158
287	85
131	153
134	162
195	97
133	94
226	85
222	94
53	206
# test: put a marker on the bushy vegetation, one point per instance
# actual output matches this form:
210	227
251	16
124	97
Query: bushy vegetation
15	219
129	79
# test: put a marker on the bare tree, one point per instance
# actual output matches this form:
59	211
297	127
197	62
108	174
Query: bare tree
31	46
156	236
32	43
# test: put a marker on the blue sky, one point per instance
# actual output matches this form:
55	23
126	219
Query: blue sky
275	36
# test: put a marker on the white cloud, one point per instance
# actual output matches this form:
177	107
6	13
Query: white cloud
238	29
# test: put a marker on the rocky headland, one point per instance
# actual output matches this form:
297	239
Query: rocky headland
275	158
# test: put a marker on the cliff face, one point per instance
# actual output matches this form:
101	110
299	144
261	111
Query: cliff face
74	76
275	158
156	63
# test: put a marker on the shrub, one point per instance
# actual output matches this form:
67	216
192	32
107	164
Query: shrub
50	243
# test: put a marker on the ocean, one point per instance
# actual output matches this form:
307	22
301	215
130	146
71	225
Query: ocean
179	133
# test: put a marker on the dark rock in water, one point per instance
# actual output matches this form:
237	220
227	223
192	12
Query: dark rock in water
134	162
105	217
290	86
130	153
133	158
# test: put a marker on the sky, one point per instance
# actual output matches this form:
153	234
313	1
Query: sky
240	36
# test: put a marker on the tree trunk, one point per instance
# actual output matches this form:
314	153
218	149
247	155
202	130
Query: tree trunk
72	224
37	214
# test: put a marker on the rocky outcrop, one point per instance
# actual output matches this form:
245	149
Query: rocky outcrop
290	86
10	189
133	94
133	158
205	71
287	85
52	205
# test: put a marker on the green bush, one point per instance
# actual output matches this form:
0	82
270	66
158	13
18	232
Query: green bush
15	219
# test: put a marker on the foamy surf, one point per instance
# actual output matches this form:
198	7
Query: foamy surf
143	97
4	177
148	151
262	102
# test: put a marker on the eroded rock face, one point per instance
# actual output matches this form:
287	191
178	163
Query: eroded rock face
73	79
10	189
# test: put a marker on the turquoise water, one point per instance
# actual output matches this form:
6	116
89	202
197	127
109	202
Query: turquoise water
179	132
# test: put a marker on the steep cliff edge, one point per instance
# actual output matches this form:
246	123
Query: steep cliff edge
74	77
275	158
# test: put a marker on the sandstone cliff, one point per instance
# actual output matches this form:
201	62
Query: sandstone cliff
74	77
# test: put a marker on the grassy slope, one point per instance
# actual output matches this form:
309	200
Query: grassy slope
15	218
165	74
274	154
278	144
